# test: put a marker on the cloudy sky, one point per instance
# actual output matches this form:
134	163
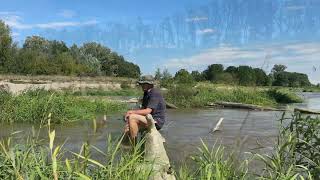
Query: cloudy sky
176	34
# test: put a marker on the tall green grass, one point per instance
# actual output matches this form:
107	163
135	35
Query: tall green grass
186	96
213	163
34	160
296	155
32	106
306	131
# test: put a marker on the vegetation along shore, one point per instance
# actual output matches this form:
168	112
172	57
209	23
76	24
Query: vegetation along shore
295	156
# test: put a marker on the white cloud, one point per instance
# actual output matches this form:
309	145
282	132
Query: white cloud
66	13
300	57
196	19
295	8
91	22
4	13
205	31
15	21
55	25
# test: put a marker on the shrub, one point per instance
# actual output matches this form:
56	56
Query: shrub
125	85
284	96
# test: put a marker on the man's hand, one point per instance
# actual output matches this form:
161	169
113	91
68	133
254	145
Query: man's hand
128	114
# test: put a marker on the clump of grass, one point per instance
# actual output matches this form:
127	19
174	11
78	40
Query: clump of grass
33	106
296	155
213	163
306	131
284	96
282	163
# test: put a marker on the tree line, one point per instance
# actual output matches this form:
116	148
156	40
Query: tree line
39	56
241	75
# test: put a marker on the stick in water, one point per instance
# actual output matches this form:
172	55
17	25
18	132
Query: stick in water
217	128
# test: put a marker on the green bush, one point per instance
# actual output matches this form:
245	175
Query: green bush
181	95
167	82
125	85
184	77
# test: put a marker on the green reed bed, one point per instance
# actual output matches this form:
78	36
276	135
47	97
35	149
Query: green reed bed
200	96
33	105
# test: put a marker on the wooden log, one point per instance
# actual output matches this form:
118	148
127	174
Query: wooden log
306	111
171	106
242	106
133	100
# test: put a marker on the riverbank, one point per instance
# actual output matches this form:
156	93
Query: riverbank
17	84
184	96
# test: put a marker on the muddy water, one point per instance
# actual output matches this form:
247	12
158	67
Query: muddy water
241	130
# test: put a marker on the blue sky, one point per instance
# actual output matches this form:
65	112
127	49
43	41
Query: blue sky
45	11
187	34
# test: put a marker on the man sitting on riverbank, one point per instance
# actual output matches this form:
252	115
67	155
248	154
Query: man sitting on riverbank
152	103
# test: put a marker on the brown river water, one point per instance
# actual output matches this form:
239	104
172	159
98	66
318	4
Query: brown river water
241	131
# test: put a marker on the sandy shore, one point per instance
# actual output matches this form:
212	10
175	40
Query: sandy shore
16	84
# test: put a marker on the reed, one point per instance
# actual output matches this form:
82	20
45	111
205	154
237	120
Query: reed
32	106
184	95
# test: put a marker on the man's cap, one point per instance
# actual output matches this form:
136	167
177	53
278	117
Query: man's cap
147	79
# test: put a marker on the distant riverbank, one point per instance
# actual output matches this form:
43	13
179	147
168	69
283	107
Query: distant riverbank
184	96
204	93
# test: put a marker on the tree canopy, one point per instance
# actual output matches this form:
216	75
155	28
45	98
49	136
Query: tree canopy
184	77
6	47
39	56
242	75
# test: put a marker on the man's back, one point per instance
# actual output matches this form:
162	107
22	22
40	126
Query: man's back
155	101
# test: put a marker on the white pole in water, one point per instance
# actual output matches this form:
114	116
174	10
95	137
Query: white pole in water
217	128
